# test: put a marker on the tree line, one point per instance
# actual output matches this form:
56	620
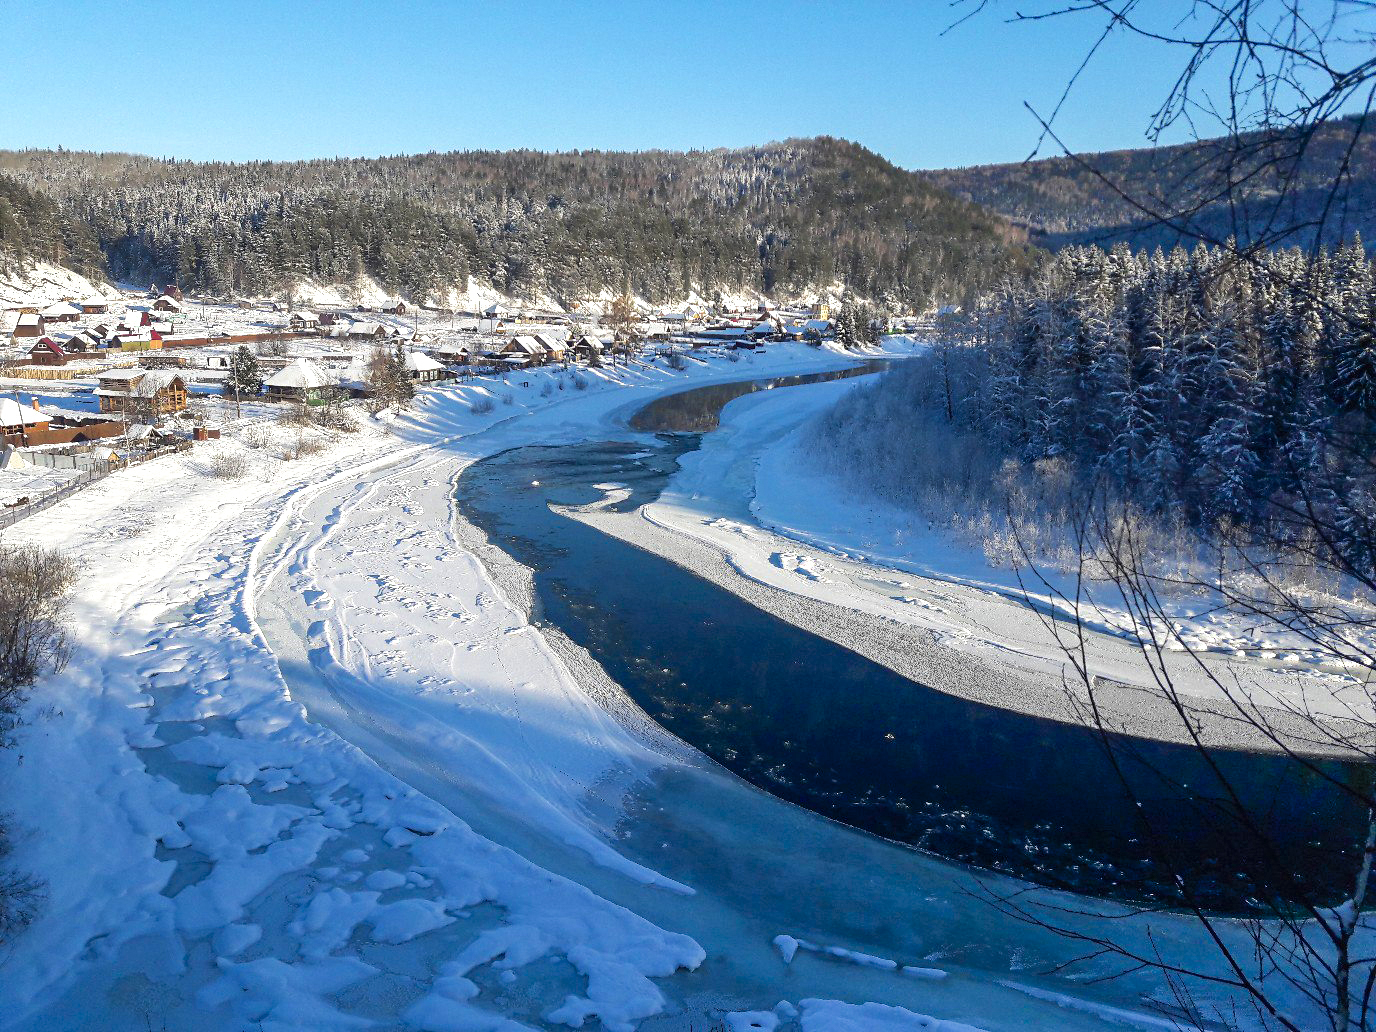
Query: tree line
1192	384
779	219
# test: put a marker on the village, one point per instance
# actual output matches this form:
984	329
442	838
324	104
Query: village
89	385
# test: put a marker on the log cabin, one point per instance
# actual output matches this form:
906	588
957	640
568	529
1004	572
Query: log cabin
142	394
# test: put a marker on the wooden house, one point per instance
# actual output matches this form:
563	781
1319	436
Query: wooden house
303	321
95	306
141	394
47	352
30	324
555	349
145	340
18	420
423	368
62	312
302	380
588	348
397	307
451	353
80	343
526	348
167	303
368	331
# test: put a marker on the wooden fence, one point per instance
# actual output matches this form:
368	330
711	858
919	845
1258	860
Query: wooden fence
12	514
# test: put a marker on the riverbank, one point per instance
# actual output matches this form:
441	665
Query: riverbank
746	511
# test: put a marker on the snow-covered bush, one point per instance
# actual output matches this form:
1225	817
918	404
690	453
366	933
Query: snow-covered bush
482	404
33	642
228	465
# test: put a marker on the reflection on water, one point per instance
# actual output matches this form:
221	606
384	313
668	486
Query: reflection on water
820	726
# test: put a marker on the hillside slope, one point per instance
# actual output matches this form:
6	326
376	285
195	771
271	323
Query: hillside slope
781	220
1062	201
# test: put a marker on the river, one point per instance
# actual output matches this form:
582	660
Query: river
820	726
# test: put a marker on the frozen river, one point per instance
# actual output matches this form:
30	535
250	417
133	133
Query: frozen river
816	724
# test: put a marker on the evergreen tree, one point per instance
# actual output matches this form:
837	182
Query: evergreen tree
244	378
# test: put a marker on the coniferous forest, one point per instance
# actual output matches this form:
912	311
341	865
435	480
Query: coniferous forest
1196	385
33	227
778	219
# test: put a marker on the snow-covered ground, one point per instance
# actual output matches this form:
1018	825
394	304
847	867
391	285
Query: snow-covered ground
312	767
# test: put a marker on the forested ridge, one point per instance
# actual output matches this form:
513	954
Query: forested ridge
1202	388
1282	185
33	228
778	219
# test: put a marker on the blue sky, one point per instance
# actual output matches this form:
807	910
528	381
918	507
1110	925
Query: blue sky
243	79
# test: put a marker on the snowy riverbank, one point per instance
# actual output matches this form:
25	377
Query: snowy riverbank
750	495
312	767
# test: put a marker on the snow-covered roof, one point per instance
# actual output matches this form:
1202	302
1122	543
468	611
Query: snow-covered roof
119	375
27	319
154	381
421	363
590	342
169	301
527	345
305	316
60	309
301	375
14	414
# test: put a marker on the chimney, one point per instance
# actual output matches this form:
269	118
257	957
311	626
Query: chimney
199	433
34	402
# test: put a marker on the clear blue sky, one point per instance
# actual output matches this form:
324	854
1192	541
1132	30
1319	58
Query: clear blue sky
270	79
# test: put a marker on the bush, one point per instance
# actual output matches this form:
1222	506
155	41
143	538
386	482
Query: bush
302	445
228	465
33	641
676	361
482	404
580	382
33	637
19	893
256	437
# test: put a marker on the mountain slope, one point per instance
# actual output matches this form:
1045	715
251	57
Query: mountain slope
35	230
782	219
1061	200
